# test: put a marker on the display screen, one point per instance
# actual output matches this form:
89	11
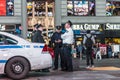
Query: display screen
112	8
81	8
10	7
6	7
2	7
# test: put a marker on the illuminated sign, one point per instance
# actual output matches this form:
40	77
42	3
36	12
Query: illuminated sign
86	27
2	7
107	26
112	26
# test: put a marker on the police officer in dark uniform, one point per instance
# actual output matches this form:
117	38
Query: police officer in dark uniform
38	38
56	39
33	32
38	34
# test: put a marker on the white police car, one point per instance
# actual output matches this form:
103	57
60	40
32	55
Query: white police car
19	56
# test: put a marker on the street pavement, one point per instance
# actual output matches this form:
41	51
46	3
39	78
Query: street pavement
106	69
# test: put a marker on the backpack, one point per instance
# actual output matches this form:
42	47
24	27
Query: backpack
89	42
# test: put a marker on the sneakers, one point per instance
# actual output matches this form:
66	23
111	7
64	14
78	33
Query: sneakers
90	66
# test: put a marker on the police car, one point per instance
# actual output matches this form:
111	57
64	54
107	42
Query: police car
19	56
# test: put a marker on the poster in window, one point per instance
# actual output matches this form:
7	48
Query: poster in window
103	49
2	7
91	8
10	7
29	8
69	8
113	8
80	8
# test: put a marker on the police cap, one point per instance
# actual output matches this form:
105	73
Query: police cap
37	26
58	27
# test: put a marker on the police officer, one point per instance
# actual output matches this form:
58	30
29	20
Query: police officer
38	38
33	32
56	39
68	40
38	34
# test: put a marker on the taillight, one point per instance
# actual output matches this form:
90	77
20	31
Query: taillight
45	48
49	50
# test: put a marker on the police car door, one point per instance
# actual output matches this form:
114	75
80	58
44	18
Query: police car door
3	51
5	46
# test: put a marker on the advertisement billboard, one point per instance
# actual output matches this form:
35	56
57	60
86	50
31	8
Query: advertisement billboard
2	7
6	7
10	7
80	8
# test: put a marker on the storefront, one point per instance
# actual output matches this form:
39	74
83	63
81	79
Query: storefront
100	16
13	16
41	12
103	32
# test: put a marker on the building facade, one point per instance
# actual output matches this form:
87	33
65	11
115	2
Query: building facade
102	17
41	12
13	17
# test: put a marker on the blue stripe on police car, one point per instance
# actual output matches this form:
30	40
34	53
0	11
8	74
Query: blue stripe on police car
3	61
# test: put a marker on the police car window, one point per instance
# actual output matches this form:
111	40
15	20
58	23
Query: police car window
1	40
9	40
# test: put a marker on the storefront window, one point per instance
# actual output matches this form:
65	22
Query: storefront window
39	8
112	8
81	8
29	8
112	40
6	7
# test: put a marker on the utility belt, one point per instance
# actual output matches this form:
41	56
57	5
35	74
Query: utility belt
69	45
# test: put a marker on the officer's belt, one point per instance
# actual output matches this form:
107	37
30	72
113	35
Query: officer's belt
67	44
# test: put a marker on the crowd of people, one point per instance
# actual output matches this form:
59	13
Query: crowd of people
64	46
98	51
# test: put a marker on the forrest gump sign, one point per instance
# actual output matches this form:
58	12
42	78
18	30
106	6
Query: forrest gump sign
86	27
107	26
112	26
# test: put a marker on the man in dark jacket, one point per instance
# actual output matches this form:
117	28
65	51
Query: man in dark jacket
38	34
89	49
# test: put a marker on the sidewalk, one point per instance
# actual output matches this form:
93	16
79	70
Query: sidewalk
104	64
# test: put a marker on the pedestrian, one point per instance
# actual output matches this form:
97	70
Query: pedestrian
98	53
68	40
38	34
57	40
88	42
74	52
79	50
109	50
38	38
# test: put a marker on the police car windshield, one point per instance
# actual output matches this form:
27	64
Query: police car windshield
13	38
